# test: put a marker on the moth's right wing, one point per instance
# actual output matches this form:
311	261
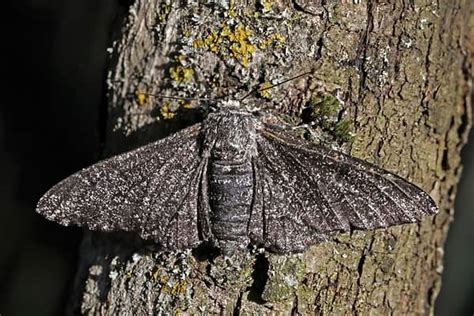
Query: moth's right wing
306	192
152	190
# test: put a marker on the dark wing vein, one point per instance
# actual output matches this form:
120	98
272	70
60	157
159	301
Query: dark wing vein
285	227
175	234
329	219
387	203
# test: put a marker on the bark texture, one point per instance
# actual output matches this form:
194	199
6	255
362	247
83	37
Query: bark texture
397	77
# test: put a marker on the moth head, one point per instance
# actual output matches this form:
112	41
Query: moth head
230	104
234	107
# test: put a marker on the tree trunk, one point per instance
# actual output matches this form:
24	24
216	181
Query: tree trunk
394	79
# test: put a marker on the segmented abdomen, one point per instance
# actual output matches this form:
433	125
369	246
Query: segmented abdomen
231	193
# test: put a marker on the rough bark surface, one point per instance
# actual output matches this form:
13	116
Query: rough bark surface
398	73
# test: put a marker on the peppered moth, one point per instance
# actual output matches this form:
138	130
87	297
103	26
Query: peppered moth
234	180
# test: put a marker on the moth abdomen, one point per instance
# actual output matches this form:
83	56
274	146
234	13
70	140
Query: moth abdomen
230	230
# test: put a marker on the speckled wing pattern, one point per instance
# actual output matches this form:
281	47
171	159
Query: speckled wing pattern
152	190
308	192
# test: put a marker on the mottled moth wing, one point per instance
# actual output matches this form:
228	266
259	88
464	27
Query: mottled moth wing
152	190
307	192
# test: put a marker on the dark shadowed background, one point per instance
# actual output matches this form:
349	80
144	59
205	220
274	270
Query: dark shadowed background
51	124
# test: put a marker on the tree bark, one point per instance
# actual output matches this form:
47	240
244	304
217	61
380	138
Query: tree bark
398	74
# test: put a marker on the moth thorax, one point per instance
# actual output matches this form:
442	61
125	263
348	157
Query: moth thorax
236	139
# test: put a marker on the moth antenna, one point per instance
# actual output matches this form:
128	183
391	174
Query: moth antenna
162	96
181	98
259	89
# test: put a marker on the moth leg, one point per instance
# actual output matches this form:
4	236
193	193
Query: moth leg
256	225
309	131
204	209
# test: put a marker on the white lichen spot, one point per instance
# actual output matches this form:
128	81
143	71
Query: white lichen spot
422	23
113	275
136	257
440	269
95	270
290	280
114	261
385	54
407	43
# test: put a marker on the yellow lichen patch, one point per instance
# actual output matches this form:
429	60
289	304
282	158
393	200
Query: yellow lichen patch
214	81
230	41
141	97
165	289
213	41
231	11
185	104
164	285
165	10
165	111
198	43
267	5
264	89
276	38
186	33
181	73
155	274
180	58
179	288
241	48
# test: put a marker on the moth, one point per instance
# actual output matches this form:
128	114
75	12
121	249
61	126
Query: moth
232	181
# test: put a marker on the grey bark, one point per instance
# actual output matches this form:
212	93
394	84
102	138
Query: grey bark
400	74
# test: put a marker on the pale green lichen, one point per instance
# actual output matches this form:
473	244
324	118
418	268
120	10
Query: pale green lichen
324	111
343	131
285	275
171	279
324	106
233	274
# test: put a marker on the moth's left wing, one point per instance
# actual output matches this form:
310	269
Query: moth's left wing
307	192
153	190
